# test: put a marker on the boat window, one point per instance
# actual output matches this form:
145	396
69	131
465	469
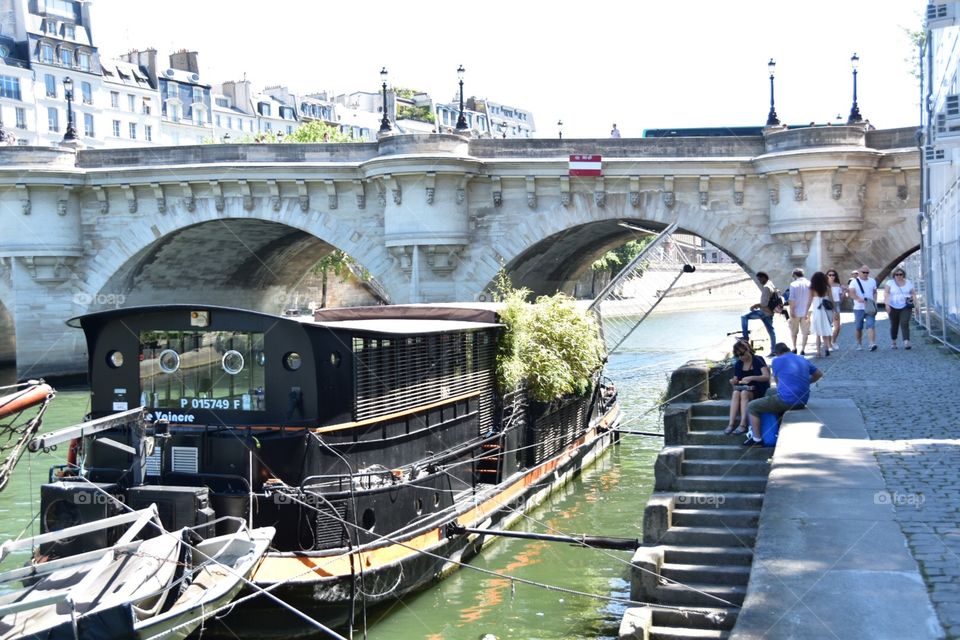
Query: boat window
292	361
115	359
202	370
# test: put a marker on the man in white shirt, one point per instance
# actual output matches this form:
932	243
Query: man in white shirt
862	288
614	133
799	304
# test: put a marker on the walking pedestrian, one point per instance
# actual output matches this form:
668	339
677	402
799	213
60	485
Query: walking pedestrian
799	308
762	310
899	297
821	312
837	292
863	290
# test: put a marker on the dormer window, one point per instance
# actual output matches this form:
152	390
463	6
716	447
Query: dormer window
66	57
264	109
69	32
46	53
51	27
83	61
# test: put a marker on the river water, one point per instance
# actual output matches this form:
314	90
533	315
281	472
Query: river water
574	586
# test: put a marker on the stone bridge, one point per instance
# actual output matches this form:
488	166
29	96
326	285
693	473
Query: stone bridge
430	217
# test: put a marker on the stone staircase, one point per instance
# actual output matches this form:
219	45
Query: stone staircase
699	529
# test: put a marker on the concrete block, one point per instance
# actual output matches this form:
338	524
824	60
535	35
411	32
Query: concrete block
645	573
667	468
690	383
636	624
657	517
676	424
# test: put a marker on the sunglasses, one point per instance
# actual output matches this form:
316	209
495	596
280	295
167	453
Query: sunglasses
865	272
899	274
832	275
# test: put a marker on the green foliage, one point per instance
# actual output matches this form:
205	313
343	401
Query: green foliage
553	345
420	114
336	262
403	92
615	260
317	131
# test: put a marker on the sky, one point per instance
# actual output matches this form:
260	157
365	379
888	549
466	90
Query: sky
640	64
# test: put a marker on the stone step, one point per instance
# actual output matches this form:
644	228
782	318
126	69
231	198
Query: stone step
711	408
710	500
742	556
708	423
714	437
736	518
706	574
719	618
731	451
685	633
705	595
726	467
709	536
719	484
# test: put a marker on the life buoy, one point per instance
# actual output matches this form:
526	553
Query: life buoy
24	399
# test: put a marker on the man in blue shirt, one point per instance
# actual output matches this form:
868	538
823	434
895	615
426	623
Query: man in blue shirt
794	375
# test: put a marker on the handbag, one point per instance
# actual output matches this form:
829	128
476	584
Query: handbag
910	304
827	304
869	305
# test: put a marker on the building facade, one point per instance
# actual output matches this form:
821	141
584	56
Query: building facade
137	100
940	217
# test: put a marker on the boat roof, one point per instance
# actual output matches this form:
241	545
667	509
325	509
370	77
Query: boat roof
392	319
404	326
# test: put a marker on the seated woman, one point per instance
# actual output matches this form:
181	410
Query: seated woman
751	379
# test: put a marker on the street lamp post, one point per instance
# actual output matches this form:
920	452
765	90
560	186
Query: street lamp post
772	119
384	122
560	129
70	134
461	121
855	116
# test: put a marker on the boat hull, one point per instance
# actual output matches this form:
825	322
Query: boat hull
337	601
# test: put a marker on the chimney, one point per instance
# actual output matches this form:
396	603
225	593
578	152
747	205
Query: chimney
185	61
146	60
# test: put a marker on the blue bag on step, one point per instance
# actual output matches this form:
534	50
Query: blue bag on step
769	429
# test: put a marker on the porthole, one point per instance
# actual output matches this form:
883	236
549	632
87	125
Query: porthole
369	519
292	361
335	358
419	506
115	359
436	499
232	362
261	358
169	361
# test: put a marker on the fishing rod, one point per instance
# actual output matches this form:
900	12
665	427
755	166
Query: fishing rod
598	542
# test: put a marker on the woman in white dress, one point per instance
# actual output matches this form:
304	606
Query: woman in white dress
837	292
899	294
821	312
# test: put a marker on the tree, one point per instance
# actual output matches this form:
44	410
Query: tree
317	131
613	261
339	264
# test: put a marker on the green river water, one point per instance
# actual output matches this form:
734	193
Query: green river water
577	584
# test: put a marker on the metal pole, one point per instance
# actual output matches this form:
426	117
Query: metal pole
855	117
461	121
384	122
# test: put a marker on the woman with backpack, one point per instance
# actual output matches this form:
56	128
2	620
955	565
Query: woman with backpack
821	311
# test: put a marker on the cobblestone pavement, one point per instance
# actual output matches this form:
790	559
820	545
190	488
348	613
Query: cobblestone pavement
910	401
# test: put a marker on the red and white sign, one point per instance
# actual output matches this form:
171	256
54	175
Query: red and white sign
585	166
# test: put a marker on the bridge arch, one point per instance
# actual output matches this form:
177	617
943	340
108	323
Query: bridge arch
233	258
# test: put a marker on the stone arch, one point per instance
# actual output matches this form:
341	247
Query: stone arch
8	336
235	257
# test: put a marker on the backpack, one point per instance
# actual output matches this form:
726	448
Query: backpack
775	300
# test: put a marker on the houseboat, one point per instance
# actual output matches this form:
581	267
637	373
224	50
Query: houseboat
376	441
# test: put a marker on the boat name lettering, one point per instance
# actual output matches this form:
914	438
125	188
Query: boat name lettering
171	417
